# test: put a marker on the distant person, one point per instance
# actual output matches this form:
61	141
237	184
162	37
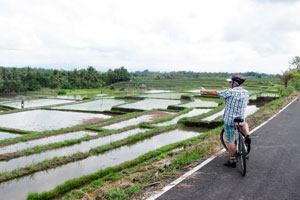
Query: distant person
236	101
22	103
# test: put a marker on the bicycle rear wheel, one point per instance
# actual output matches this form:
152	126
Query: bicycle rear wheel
242	155
223	139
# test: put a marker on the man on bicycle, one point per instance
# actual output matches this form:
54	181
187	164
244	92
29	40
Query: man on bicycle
236	100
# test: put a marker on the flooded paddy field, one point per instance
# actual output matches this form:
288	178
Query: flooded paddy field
135	121
72	97
95	105
6	135
156	91
37	103
192	113
46	180
199	103
48	140
65	151
163	95
249	111
41	120
149	104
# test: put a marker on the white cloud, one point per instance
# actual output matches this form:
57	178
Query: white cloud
156	35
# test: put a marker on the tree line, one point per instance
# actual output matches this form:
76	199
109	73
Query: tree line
191	74
33	79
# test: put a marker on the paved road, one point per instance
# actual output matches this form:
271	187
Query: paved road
273	167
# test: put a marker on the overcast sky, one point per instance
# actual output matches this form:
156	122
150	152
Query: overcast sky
159	35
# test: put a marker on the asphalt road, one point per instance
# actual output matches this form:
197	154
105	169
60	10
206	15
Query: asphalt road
273	170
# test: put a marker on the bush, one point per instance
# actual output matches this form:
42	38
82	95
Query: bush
61	92
289	90
297	86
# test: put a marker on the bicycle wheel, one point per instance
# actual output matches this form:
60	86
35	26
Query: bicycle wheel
242	155
223	139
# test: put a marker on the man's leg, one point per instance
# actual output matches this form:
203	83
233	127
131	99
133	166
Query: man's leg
229	133
245	128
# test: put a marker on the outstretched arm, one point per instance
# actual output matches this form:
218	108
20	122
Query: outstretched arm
211	92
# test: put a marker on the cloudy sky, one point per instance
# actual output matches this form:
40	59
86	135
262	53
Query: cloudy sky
159	35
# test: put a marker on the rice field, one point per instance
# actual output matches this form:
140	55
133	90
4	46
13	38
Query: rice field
54	140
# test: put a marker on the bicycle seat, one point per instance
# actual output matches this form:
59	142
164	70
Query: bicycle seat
238	119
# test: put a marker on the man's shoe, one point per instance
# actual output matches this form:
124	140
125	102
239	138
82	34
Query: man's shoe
231	164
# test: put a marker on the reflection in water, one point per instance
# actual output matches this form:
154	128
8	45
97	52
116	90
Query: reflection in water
41	120
52	139
192	113
199	103
5	135
137	120
149	104
37	103
249	111
65	151
46	180
164	95
97	105
156	91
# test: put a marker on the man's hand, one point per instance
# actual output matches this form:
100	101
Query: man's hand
210	92
202	89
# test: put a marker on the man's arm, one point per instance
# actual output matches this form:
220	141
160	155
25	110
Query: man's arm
211	92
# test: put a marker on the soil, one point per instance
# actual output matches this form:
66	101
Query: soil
158	114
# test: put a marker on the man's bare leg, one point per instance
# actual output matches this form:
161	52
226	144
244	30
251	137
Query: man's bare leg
231	149
245	128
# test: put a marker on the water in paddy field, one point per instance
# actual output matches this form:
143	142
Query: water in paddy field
72	97
51	139
96	105
46	180
6	135
41	120
269	95
192	113
164	95
37	103
249	111
135	121
156	91
101	95
198	103
149	104
194	91
84	146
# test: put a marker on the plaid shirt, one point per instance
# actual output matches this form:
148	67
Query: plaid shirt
236	100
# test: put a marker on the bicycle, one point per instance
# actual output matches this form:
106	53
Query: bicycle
241	148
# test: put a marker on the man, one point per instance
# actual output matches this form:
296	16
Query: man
236	100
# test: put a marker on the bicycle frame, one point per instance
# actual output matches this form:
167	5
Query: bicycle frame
241	149
237	135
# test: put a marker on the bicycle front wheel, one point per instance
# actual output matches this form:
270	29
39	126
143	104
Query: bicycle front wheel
242	155
223	139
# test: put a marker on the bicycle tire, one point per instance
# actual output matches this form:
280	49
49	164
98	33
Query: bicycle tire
223	139
242	155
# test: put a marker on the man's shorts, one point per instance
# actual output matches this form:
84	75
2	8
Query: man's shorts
230	132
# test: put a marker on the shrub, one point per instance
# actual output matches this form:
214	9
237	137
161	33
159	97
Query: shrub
61	92
297	86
